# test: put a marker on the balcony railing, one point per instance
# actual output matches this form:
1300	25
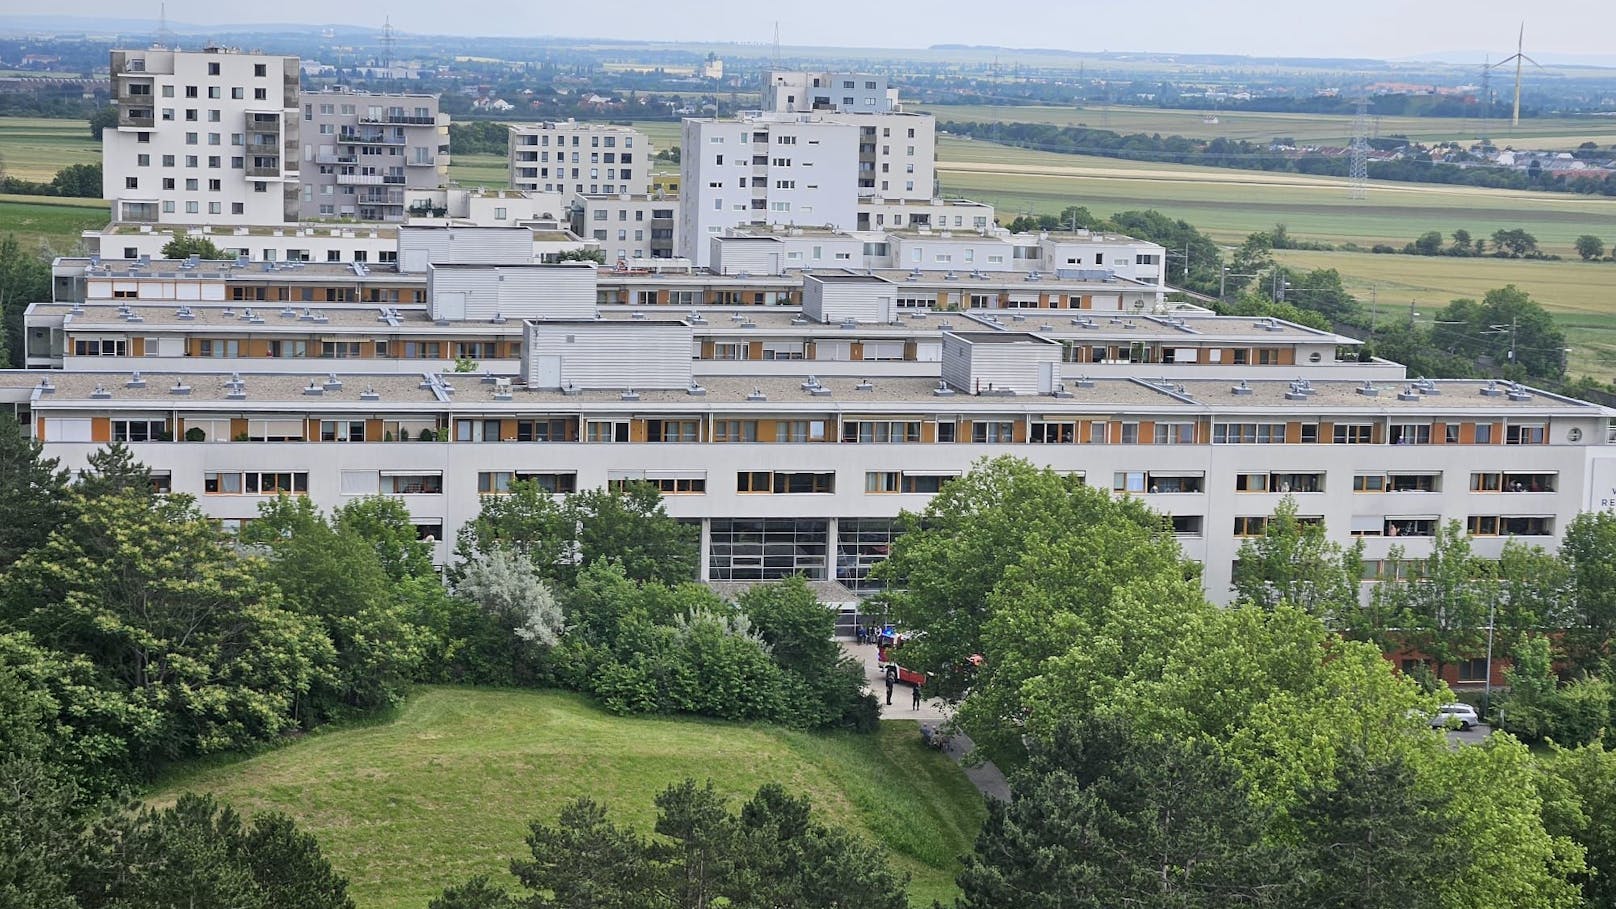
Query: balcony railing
398	118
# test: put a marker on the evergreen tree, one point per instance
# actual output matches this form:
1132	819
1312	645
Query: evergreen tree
33	493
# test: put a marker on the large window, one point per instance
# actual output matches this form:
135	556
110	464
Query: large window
668	482
342	430
1175	433
498	482
554	430
992	431
784	482
881	431
798	431
1354	433
862	543
255	482
767	549
413	484
673	430
138	430
1526	434
607	431
1053	432
99	347
734	430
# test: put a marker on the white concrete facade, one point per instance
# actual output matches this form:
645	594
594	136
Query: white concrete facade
207	136
628	227
567	156
801	92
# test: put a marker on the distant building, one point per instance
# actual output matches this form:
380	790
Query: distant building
362	151
567	156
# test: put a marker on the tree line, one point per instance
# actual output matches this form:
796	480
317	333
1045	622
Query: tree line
1177	753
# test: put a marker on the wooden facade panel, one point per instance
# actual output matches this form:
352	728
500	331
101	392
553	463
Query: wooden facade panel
100	429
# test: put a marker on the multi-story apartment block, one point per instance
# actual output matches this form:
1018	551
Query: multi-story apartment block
629	228
362	152
798	169
585	158
203	137
794	92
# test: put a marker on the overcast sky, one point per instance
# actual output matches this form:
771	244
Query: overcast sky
1384	29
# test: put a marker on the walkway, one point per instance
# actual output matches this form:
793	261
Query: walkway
935	711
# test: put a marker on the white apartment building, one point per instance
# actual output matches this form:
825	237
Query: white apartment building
363	152
628	228
801	92
877	213
798	169
585	158
203	136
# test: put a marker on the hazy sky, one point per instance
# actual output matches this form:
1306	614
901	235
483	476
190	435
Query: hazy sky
1386	29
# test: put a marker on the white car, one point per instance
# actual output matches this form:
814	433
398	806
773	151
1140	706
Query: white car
1461	715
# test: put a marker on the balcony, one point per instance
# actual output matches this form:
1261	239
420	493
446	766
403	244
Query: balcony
325	158
359	179
136	118
369	138
263	171
399	118
421	162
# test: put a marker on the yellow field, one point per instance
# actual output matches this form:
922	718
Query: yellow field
1323	129
35	148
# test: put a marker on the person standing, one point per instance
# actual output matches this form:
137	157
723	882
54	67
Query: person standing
917	697
889	691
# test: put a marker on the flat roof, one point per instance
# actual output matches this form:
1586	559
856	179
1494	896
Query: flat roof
843	277
1411	395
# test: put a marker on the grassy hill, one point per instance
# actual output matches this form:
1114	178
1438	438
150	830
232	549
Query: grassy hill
446	788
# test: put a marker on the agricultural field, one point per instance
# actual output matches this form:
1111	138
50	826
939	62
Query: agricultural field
1582	295
491	171
1230	204
446	788
35	148
51	221
1317	129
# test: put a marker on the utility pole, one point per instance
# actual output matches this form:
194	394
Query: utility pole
1411	315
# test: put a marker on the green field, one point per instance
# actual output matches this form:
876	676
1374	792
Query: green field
49	220
35	148
1318	129
1229	204
1582	295
446	789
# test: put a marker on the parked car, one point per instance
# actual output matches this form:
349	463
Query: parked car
1461	715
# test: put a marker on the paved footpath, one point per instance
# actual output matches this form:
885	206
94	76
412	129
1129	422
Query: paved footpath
935	711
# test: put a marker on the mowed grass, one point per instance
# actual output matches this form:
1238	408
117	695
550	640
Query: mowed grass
491	171
1230	204
1318	129
1582	295
447	788
35	148
48	220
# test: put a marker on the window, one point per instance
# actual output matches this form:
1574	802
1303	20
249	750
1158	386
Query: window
607	431
412	483
734	430
1484	433
882	481
1525	434
946	431
1473	670
552	430
885	431
1251	482
99	347
799	431
255	482
1175	433
1411	434
1142	481
1354	433
1063	432
785	482
342	430
1250	525
992	431
1414	482
1369	482
340	350
673	430
139	430
260	69
499	482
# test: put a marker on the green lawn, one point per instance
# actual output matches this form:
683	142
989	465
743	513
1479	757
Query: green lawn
446	789
35	148
1324	129
491	171
49	220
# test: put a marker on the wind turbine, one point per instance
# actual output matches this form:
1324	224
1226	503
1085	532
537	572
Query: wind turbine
1520	55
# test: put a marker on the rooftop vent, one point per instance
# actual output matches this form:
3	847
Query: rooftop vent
307	316
101	393
135	381
235	389
942	390
1368	390
180	388
697	318
757	395
637	316
864	385
332	383
498	319
571	390
1045	326
1060	391
1242	390
1426	386
288	312
370	394
630	395
1270	325
229	312
1518	392
799	320
313	388
1408	393
1018	317
185	313
1491	390
1083	382
488	378
849	325
46	387
695	390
